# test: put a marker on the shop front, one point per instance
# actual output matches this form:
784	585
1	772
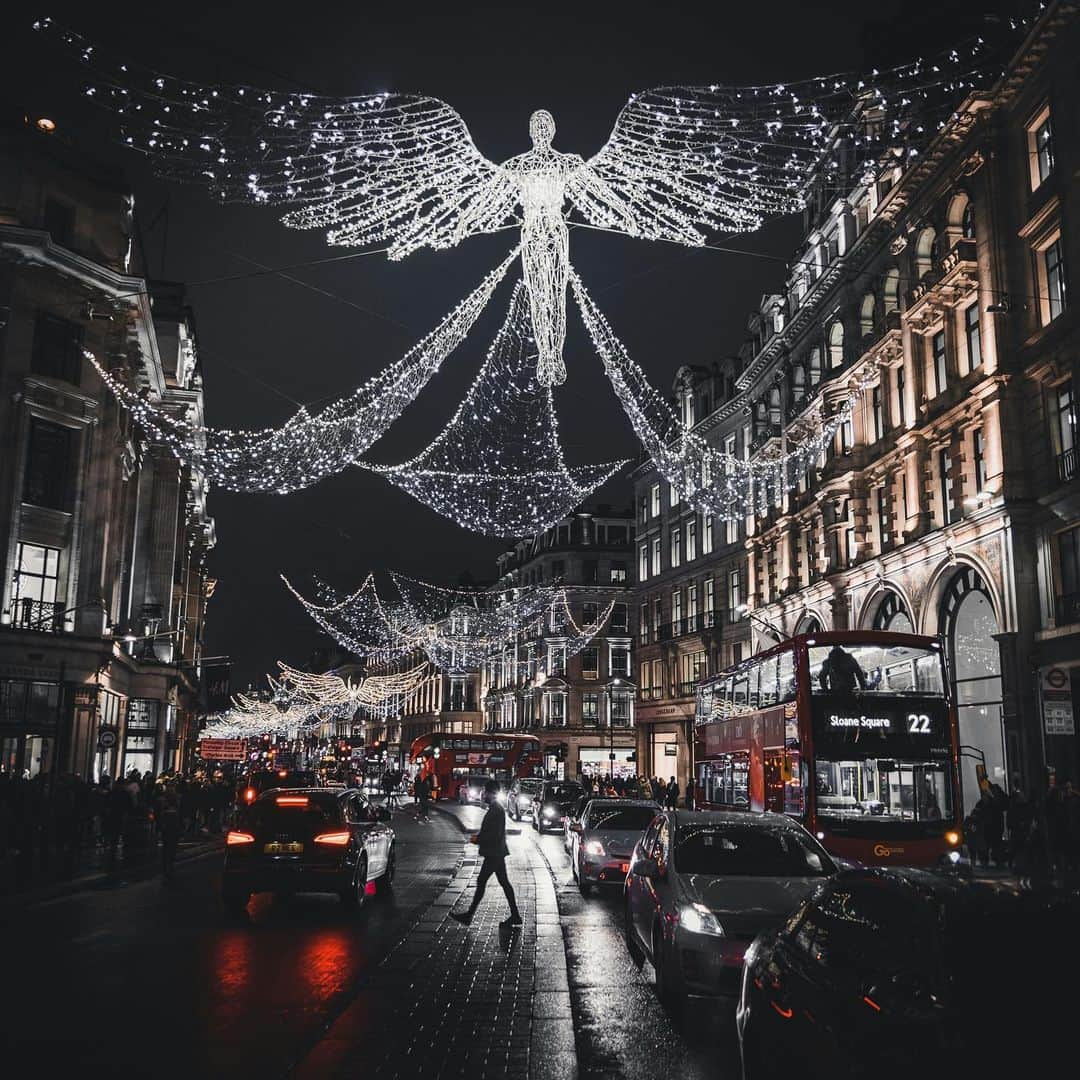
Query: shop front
664	747
604	762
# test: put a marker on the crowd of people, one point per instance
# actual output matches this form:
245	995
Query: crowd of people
637	787
1026	835
51	826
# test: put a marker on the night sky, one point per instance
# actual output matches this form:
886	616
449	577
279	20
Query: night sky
268	344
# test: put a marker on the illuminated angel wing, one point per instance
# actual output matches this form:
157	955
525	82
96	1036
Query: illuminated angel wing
687	160
381	168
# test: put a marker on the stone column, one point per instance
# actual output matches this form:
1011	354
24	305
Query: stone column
161	563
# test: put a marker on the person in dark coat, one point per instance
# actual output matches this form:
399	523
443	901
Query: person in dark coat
491	841
170	827
841	672
672	794
1019	818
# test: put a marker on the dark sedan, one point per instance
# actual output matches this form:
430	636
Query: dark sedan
553	802
890	973
308	840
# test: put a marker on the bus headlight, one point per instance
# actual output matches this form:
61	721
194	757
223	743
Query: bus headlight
549	811
952	837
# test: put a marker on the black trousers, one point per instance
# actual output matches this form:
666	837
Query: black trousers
494	864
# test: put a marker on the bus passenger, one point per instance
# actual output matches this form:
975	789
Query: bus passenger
841	672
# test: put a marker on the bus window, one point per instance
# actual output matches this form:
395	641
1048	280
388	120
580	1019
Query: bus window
785	676
876	669
767	694
740	693
724	782
794	770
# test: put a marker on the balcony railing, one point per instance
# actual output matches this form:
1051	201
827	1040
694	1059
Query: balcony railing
651	693
27	614
687	689
690	624
1068	609
1066	464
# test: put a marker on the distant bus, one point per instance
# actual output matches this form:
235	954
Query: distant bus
451	759
859	745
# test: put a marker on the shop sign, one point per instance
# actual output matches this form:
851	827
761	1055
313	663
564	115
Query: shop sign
107	738
671	750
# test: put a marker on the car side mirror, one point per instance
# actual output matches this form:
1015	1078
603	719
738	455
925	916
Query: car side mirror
645	868
576	826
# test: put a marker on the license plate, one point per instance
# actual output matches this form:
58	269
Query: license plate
276	848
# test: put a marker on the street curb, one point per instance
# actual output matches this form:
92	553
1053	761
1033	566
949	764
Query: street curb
465	830
148	869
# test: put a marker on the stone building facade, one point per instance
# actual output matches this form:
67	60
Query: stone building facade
103	536
948	504
581	705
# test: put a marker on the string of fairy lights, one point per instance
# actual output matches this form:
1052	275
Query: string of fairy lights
681	163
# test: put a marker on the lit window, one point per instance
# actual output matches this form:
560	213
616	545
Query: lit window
656	555
836	346
884	525
691	541
937	350
676	547
948	511
901	410
1053	275
1041	149
654	494
706	535
643	561
879	413
979	459
673	495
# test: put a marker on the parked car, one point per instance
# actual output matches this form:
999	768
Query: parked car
572	816
898	972
308	840
519	800
604	836
702	886
552	803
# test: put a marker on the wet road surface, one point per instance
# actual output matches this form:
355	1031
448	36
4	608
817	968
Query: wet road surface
143	980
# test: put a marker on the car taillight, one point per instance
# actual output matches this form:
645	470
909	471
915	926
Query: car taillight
239	838
291	800
334	839
249	795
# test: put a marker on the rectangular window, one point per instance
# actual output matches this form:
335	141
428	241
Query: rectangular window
620	708
691	540
658	677
691	609
656	555
978	455
590	570
676	611
57	349
620	661
673	495
1054	279
973	336
643	510
590	611
1069	565
1064	407
879	413
620	620
707	535
618	574
708	599
851	547
901	414
590	709
676	547
643	562
937	351
847	436
734	589
556	659
884	527
944	469
34	588
1041	149
643	624
654	499
656	618
48	465
590	663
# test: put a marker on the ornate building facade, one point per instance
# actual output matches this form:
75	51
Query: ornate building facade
104	537
948	503
581	705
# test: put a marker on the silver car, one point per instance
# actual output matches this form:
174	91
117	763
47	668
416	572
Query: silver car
702	886
603	839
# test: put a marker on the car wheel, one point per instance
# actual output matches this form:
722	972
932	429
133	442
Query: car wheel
633	947
750	1052
235	903
584	885
354	897
671	999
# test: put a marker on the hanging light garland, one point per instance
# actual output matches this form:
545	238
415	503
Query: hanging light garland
497	467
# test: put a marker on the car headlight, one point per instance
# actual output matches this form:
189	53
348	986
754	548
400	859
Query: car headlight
698	919
524	800
594	847
500	796
549	811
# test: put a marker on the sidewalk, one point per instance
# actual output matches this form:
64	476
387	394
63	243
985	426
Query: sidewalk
94	869
477	1001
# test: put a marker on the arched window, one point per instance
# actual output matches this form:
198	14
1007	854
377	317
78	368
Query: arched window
967	614
809	624
892	615
836	345
866	314
815	366
924	253
798	382
891	290
774	406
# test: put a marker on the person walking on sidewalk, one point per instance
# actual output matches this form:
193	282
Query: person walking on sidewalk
170	826
491	840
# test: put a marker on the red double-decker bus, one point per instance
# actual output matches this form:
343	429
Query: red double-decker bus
451	759
852	732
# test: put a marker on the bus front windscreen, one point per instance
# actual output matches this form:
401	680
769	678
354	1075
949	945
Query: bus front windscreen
882	747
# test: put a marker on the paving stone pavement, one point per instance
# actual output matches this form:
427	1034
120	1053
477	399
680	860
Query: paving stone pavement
478	1001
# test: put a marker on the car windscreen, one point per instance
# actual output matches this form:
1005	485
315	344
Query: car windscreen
620	818
562	792
749	851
